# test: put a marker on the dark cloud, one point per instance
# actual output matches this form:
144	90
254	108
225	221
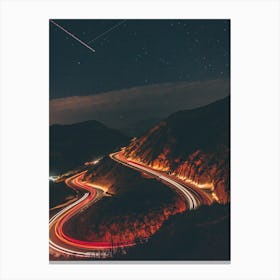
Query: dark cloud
120	108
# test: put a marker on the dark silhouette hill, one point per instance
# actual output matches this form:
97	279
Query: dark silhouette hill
71	145
201	235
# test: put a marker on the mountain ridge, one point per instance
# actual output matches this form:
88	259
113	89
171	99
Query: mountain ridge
193	145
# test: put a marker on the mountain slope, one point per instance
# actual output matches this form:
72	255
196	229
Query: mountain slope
71	145
191	144
199	235
135	208
138	128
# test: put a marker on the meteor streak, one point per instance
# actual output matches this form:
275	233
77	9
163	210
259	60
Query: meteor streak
73	36
107	31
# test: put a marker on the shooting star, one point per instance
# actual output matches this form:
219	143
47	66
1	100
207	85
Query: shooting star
73	36
107	31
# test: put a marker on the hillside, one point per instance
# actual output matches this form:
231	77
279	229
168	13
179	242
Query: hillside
71	145
135	209
198	235
192	145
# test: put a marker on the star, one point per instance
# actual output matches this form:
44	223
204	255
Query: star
146	57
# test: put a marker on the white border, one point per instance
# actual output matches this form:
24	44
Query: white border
255	138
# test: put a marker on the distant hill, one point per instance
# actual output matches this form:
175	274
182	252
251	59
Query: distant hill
191	144
71	145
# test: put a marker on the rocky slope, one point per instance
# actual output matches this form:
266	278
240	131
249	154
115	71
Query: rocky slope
192	145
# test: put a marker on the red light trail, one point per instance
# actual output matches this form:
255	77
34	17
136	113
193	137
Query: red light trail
61	243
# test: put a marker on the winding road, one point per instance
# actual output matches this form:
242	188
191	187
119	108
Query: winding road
62	244
193	195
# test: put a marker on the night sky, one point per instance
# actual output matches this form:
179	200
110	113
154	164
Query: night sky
134	53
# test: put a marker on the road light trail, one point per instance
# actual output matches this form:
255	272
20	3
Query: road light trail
64	244
193	200
73	36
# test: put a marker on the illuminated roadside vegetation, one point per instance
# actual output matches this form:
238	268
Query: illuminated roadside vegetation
192	145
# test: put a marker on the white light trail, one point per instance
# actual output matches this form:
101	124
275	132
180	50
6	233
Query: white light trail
73	36
188	195
107	31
